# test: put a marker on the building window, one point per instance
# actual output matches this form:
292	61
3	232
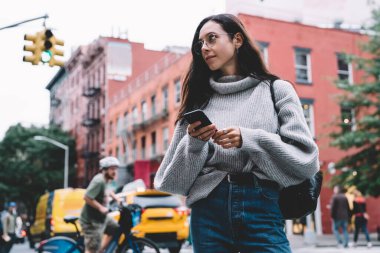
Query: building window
126	120
119	125
110	132
344	69
143	111
165	98
134	150
308	112
153	104
118	154
165	138
125	153
177	91
134	115
143	145
263	47
348	118
153	151
103	139
303	65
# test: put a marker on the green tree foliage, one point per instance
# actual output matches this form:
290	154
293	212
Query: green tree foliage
28	168
361	168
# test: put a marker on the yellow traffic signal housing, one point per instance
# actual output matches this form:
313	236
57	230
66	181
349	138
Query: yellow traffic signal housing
51	50
44	48
36	47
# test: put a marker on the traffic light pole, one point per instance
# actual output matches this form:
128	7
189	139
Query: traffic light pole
25	21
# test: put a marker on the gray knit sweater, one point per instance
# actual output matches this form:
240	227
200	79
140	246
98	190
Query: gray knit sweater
193	168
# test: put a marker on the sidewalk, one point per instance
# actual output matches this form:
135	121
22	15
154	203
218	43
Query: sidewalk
320	241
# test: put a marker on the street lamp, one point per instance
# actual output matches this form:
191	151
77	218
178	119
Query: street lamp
65	147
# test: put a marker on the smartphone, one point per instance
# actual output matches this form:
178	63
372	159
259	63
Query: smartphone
197	115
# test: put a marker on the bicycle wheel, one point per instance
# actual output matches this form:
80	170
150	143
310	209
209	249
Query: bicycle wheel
143	245
59	244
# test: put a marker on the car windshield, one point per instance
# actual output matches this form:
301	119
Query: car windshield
150	201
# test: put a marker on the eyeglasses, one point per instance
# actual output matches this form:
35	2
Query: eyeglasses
210	41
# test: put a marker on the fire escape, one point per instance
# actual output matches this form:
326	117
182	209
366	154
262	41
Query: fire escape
91	120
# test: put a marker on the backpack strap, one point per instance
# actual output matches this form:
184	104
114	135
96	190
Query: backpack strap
274	104
272	94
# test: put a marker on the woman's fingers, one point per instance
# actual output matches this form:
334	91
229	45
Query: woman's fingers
221	133
207	135
204	133
191	127
228	138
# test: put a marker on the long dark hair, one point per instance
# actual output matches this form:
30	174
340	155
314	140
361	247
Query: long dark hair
196	89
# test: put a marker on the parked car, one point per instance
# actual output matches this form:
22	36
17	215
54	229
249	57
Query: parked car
164	218
51	208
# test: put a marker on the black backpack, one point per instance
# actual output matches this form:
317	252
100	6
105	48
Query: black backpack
297	201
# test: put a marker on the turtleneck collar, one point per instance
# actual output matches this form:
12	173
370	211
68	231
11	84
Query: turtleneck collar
232	84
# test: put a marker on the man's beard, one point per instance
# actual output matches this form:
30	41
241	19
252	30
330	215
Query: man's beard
109	177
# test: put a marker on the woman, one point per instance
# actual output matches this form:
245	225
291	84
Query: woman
361	218
232	170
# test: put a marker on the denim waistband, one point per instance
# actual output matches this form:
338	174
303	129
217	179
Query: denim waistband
250	179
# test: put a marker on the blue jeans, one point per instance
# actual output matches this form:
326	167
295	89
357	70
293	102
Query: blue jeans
341	224
238	218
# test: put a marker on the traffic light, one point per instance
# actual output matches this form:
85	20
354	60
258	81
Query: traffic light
50	49
44	48
36	47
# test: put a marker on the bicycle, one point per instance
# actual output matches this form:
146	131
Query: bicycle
129	244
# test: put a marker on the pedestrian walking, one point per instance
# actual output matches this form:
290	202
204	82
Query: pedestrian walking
9	227
93	219
233	169
2	241
361	217
340	214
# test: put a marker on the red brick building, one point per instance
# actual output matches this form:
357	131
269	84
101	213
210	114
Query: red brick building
80	91
142	114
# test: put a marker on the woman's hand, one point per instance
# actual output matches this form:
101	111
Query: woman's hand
228	138
204	133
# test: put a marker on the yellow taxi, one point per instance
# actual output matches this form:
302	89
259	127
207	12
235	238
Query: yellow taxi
164	218
51	208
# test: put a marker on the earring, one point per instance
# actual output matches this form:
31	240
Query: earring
237	50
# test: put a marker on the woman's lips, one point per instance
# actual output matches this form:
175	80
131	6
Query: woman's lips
209	57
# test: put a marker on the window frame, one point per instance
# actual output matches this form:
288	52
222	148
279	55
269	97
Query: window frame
177	90
165	138
153	101
307	67
352	125
348	72
311	120
165	98
263	47
153	146
144	110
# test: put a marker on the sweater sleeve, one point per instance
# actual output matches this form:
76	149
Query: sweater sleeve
297	157
182	162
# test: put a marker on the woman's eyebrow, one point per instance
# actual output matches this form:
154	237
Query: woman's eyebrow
207	34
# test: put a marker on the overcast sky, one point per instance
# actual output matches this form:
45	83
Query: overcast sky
156	23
